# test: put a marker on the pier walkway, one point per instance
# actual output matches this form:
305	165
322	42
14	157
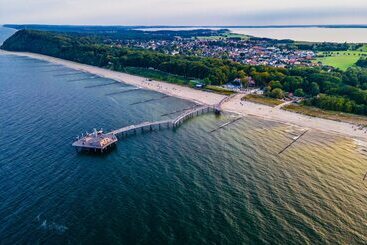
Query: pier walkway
173	123
142	126
99	141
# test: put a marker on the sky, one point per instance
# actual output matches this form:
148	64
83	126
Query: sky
183	12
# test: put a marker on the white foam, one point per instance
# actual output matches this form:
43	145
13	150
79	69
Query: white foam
53	227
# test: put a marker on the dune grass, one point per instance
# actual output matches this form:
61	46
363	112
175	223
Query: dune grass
218	90
331	115
260	99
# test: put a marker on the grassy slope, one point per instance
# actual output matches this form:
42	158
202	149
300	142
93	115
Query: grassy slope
331	115
260	99
219	90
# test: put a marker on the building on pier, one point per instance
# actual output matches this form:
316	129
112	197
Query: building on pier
99	142
95	142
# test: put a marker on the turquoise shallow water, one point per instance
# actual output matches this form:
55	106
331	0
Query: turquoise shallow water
186	186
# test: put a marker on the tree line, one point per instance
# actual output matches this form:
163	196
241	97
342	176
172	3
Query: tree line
324	88
362	62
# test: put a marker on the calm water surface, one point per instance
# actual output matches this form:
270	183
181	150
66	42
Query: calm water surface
310	34
186	186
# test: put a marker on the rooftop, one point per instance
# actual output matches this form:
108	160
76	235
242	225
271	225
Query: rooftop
96	140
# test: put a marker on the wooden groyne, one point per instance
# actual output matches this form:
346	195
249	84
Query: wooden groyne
81	79
48	66
123	91
294	141
68	74
55	70
150	100
101	85
226	124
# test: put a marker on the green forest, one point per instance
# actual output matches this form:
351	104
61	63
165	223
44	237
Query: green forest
325	88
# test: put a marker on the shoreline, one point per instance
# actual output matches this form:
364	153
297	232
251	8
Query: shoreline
197	96
294	119
234	105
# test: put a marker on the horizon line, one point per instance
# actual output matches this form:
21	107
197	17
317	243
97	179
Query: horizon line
196	26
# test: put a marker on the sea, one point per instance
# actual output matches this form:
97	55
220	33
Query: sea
308	34
182	186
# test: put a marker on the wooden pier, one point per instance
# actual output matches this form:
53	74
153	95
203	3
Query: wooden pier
95	142
145	126
150	126
100	141
177	111
191	113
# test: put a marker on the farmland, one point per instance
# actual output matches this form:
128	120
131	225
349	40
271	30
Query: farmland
341	59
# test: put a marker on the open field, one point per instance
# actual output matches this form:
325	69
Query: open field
227	35
235	35
341	59
262	100
331	115
364	48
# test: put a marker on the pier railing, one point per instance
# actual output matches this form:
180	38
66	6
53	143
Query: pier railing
83	144
173	123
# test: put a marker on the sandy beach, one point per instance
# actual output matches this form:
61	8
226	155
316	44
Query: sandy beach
276	114
200	97
234	105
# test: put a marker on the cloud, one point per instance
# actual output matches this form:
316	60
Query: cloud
183	12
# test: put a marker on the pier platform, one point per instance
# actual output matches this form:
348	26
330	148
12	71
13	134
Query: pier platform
100	142
95	142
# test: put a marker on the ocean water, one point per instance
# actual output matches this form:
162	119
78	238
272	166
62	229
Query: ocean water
183	186
309	34
5	33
